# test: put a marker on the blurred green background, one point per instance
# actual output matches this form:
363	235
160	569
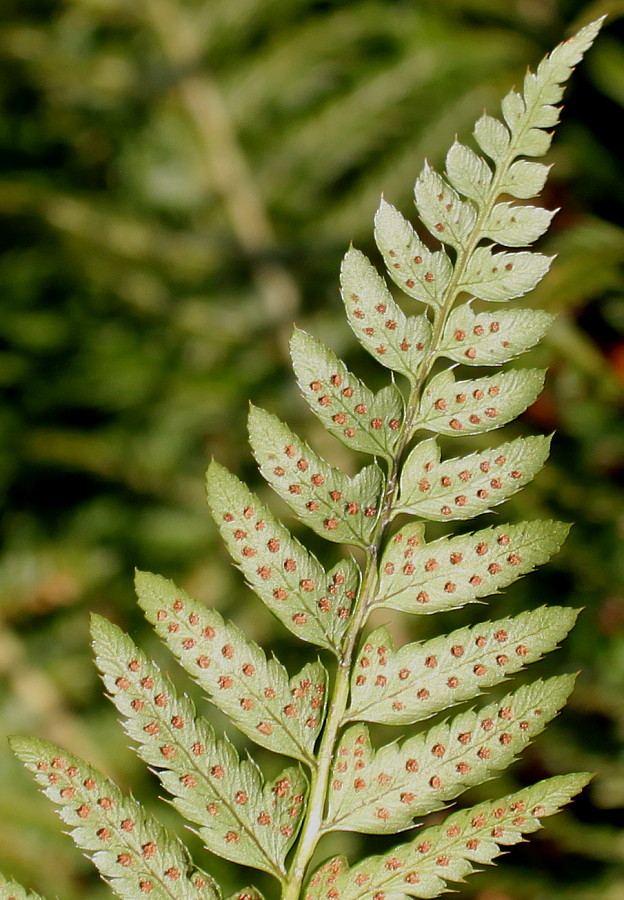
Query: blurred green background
180	179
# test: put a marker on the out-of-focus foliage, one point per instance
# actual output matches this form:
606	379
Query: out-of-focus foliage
180	180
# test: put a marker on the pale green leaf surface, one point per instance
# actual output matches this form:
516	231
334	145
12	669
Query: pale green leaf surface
404	686
466	840
337	507
380	792
516	226
130	848
360	418
442	210
248	893
536	142
493	138
312	603
11	890
478	405
503	276
468	173
394	339
464	487
513	109
422	273
241	818
423	578
282	714
524	179
487	339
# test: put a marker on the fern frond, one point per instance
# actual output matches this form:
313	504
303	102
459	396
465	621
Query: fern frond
249	893
478	405
499	277
421	273
350	411
317	718
337	507
489	339
397	341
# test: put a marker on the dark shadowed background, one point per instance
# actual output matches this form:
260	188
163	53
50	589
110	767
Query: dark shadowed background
180	179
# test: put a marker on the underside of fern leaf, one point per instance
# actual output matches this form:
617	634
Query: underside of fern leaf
336	777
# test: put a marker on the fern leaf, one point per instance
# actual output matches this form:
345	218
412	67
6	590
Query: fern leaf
516	226
493	138
465	487
380	792
312	603
239	814
442	211
240	817
248	893
358	417
253	691
337	507
421	578
394	339
503	276
488	339
477	405
421	273
131	849
447	852
468	172
524	179
404	686
11	890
